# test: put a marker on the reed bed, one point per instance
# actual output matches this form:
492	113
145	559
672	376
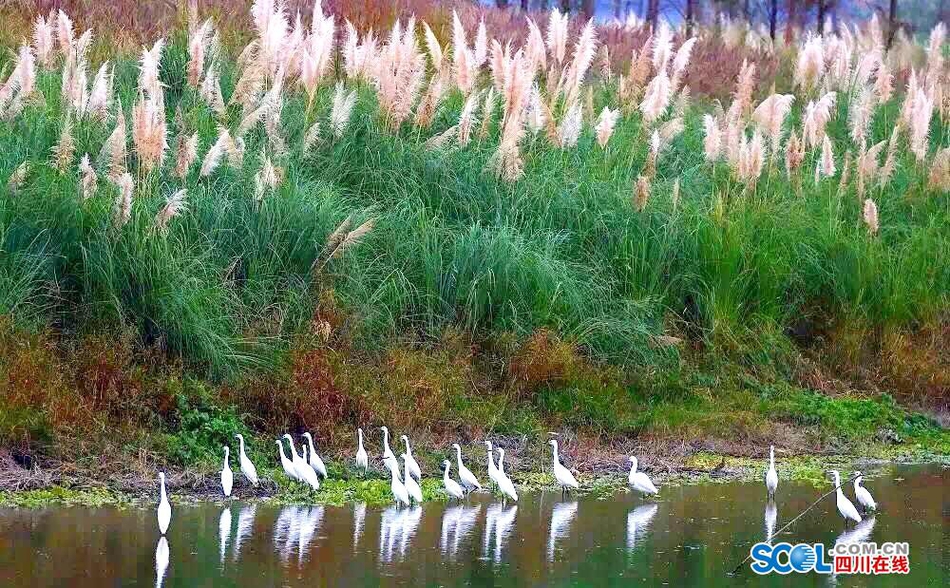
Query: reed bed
367	186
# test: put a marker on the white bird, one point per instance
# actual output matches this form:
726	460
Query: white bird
845	507
387	452
565	479
771	476
315	462
492	470
164	508
412	487
247	467
640	481
861	493
505	484
362	460
398	488
305	473
285	463
227	477
452	487
466	477
414	468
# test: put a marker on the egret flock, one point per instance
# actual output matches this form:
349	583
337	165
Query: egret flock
308	468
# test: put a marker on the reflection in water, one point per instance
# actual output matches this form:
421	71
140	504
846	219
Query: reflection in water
638	522
859	534
561	517
503	524
457	522
224	530
310	520
771	515
359	515
409	524
389	529
161	561
244	525
295	528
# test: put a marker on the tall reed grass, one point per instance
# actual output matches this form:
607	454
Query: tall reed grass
210	199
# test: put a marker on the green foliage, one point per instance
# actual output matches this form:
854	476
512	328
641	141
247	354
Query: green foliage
203	428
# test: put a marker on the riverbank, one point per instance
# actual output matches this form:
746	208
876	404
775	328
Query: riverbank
601	476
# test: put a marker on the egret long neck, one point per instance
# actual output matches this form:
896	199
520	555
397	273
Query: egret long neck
394	470
226	452
310	443
445	473
360	435
164	498
772	457
491	461
458	457
241	444
556	460
501	459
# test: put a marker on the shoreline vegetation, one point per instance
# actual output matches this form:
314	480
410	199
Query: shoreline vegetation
474	224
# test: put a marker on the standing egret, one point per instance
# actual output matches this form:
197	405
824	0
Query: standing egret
861	493
308	473
362	460
285	463
227	477
845	507
640	481
247	467
492	470
771	476
315	462
452	487
387	452
398	488
412	487
565	479
414	468
164	508
505	484
305	473
466	477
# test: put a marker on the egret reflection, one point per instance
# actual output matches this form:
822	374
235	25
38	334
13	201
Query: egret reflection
244	525
771	515
224	530
503	525
561	517
294	530
359	516
161	561
389	532
638	522
860	533
310	520
457	522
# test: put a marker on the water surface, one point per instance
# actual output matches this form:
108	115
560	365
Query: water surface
690	536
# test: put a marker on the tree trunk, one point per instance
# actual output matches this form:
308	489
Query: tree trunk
653	13
690	16
501	3
525	5
617	4
891	23
746	11
565	6
790	21
587	8
821	16
773	17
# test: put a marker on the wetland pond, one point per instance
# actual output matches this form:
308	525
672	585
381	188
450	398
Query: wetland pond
692	535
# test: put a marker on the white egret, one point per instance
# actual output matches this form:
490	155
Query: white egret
771	476
164	508
565	479
505	484
227	476
861	493
640	481
289	469
362	459
387	452
247	467
305	473
315	462
414	468
492	470
466	477
412	487
845	507
452	487
398	488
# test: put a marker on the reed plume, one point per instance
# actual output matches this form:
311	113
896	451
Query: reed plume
343	103
870	217
557	35
657	98
18	176
605	125
467	118
712	140
123	203
186	153
43	40
88	180
770	116
570	129
939	178
64	149
641	193
174	206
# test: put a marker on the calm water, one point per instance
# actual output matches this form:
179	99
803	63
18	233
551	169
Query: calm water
691	536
